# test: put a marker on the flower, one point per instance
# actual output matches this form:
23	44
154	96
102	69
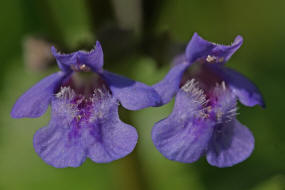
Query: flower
203	120
84	100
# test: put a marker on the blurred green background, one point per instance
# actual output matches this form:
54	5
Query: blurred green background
139	39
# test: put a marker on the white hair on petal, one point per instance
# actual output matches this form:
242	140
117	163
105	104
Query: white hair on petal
64	107
103	102
226	106
67	106
197	95
198	98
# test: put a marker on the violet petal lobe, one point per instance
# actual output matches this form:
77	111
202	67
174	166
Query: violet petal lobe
231	143
242	87
184	135
169	86
133	95
64	61
181	141
61	143
200	48
109	138
228	50
94	58
57	145
35	101
197	48
117	140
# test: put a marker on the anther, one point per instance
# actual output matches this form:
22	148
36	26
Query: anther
84	68
80	67
211	59
214	59
221	59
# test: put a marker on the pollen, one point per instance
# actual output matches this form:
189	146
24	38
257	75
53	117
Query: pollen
84	68
80	67
78	117
221	59
214	59
211	59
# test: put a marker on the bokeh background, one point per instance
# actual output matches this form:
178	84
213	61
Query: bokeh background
139	39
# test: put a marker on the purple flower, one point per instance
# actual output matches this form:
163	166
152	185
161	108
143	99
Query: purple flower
84	100
203	121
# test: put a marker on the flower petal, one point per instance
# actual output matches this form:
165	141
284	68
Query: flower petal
35	101
109	138
198	48
60	145
132	95
64	61
231	143
93	58
184	135
242	87
181	141
169	86
117	140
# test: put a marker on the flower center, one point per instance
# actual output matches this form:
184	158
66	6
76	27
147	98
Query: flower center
203	73
78	96
79	110
84	83
217	103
